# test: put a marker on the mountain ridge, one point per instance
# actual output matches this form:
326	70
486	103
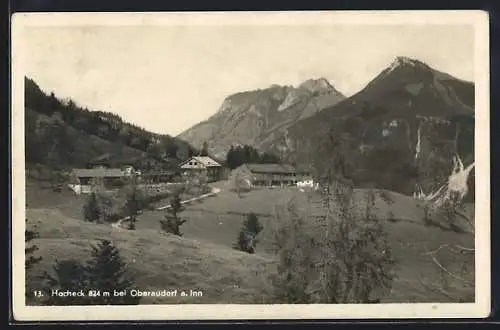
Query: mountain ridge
409	114
61	133
249	117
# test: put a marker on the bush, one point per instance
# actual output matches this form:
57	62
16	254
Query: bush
245	242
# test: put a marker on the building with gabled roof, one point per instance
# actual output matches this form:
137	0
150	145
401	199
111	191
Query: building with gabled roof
268	174
202	165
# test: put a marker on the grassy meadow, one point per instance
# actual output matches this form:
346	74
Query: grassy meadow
203	258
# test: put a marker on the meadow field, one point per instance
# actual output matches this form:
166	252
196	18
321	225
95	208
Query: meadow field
203	258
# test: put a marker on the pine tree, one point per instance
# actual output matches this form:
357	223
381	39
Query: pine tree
68	275
107	271
136	202
175	206
172	222
30	261
252	224
204	150
91	209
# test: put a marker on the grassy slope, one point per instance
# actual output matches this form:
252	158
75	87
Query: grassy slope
203	258
159	261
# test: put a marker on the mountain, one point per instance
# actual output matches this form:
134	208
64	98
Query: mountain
411	130
59	134
256	117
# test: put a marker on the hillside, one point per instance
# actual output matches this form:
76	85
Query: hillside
408	130
60	133
203	259
256	117
158	261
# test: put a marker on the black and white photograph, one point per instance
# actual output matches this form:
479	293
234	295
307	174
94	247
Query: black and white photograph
248	165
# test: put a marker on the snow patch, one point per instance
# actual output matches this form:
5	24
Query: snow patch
290	100
401	61
418	146
455	185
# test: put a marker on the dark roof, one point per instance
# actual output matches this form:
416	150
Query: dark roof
154	173
98	172
271	168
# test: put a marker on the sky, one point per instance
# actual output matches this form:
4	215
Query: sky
168	78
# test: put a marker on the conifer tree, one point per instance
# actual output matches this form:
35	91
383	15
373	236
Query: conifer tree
172	222
91	209
30	259
68	275
108	271
252	224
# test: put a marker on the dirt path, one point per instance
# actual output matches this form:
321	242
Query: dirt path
215	191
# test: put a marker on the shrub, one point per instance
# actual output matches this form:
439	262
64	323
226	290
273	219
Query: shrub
245	242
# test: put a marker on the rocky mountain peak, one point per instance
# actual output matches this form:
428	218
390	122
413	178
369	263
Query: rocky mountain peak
317	85
404	61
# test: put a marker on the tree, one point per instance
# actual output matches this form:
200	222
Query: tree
31	260
342	258
68	275
107	270
91	209
238	183
356	258
204	150
172	222
247	236
457	279
135	202
292	245
252	224
245	241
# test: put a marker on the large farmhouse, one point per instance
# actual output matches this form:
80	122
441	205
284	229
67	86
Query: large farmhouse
85	178
202	165
268	174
